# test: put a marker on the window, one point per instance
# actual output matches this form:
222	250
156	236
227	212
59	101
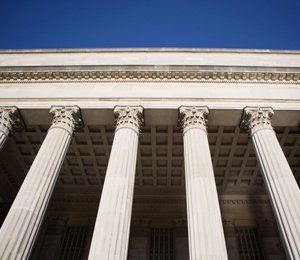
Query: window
161	244
73	243
249	243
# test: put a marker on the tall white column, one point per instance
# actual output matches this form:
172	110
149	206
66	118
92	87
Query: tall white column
279	180
206	236
10	122
111	232
21	226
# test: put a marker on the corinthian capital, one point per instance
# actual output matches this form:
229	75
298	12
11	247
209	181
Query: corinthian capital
66	117
10	120
256	118
193	117
129	117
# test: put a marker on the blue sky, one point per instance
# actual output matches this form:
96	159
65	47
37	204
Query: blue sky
150	23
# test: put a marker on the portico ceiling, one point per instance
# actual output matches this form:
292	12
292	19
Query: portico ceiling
160	80
160	164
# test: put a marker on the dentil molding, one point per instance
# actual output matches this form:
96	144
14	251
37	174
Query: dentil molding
149	76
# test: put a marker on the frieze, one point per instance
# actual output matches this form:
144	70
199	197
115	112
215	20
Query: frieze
149	76
180	222
244	201
140	222
95	200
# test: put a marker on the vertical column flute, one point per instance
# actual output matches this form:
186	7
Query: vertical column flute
20	228
206	236
279	180
111	232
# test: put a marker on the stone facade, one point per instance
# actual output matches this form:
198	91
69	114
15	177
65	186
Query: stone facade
150	154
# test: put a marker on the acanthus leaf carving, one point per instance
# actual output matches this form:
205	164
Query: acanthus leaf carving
10	120
66	117
129	117
256	118
193	117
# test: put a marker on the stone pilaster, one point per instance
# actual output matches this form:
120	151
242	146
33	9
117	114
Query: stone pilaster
111	232
206	236
279	180
10	122
21	226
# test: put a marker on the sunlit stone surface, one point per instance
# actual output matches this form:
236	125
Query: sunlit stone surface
171	191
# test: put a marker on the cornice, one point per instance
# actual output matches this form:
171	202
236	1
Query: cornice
81	76
158	49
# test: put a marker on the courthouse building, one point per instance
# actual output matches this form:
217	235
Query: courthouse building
157	154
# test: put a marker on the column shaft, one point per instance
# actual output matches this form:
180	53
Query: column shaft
279	180
3	138
206	236
21	226
111	232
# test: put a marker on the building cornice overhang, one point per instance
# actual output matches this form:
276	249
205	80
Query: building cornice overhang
158	49
200	74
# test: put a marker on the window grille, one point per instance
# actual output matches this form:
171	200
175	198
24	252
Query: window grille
249	246
161	244
73	243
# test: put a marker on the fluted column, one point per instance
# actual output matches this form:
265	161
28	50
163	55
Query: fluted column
279	180
111	232
10	122
20	228
206	236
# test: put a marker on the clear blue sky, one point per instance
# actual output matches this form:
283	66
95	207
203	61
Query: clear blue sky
260	24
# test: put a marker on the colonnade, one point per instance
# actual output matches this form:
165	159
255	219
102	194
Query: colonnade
111	232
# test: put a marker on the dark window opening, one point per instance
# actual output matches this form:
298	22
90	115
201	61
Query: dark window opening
249	246
161	244
73	243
